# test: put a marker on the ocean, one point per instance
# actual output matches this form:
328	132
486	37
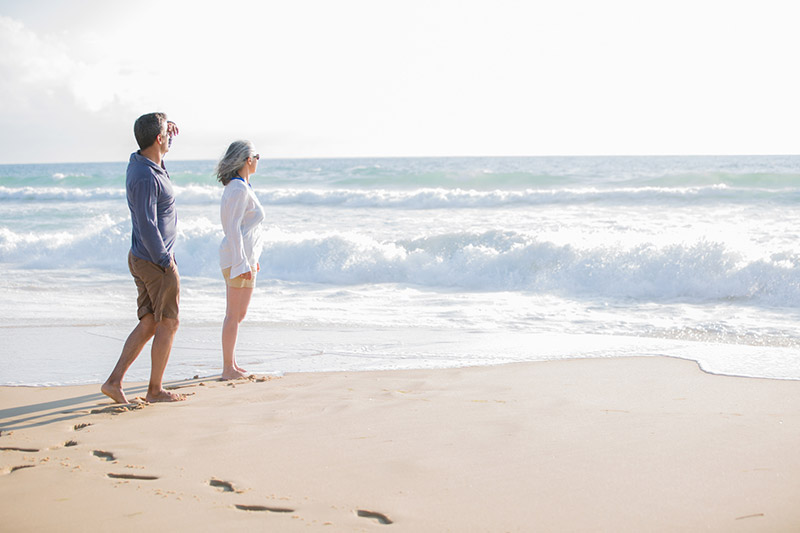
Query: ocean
389	263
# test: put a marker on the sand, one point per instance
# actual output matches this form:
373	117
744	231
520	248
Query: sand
628	444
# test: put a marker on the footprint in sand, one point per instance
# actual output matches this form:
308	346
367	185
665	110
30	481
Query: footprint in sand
263	508
14	469
78	427
380	517
119	408
132	476
223	486
107	456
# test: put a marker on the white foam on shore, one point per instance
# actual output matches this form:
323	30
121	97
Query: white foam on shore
92	350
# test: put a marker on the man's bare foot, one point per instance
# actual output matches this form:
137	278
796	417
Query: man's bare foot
114	392
164	396
232	373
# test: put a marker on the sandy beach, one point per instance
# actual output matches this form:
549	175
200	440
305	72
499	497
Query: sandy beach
628	444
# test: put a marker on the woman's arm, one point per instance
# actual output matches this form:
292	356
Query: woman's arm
232	212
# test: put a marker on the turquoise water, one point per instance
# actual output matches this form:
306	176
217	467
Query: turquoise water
701	251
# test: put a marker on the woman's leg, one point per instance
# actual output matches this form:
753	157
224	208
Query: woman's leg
236	309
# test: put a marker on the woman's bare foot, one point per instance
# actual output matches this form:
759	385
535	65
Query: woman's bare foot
232	373
114	392
164	396
235	367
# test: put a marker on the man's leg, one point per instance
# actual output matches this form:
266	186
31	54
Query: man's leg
142	333
162	345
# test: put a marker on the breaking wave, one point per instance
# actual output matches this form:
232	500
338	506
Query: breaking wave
488	261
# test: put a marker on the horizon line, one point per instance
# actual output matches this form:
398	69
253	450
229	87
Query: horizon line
268	158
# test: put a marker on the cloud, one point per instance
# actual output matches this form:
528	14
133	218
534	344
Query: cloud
58	107
357	77
30	65
34	66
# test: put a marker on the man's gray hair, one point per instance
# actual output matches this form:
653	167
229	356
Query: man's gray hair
233	160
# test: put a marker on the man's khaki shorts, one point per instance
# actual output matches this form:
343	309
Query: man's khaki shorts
159	288
239	282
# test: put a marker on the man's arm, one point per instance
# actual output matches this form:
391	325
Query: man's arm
145	206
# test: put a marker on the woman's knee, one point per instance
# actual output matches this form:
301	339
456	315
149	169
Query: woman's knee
236	317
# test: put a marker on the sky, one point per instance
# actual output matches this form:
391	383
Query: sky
372	78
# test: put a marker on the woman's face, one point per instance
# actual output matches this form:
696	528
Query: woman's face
253	162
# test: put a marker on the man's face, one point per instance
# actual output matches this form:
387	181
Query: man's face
164	137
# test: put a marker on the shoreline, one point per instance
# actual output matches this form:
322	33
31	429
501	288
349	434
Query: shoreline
86	354
632	443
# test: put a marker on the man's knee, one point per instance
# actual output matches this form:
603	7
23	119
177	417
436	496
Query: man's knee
168	324
148	324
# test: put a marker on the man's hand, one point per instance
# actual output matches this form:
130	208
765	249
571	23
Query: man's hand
172	129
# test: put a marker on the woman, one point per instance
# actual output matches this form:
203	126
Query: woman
241	215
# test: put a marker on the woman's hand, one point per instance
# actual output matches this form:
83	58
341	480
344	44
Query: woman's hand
249	273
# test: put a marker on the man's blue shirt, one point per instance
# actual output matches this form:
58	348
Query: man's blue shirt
152	205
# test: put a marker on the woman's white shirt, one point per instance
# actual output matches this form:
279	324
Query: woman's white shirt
241	215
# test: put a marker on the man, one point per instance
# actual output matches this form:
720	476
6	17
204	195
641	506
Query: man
150	260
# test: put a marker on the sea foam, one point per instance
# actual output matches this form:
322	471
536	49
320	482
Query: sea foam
484	261
431	198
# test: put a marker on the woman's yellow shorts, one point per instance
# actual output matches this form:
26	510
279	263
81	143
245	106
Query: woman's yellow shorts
239	282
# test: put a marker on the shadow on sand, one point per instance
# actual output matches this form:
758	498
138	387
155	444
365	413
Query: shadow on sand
40	414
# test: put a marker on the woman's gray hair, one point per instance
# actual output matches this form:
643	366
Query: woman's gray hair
233	160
